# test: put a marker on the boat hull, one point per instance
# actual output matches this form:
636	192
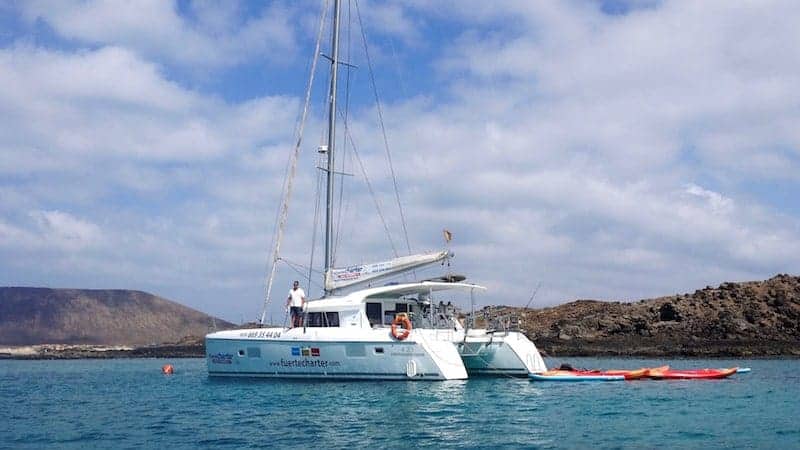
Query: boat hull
499	354
322	354
572	378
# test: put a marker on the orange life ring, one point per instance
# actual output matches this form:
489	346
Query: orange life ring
401	319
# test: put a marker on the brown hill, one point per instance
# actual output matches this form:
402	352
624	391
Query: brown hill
30	316
758	318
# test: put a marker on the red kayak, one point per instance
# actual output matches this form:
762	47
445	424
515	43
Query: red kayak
692	374
635	374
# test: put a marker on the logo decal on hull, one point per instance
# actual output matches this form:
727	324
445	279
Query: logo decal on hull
305	351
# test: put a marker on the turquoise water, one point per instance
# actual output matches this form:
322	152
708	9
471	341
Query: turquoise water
130	404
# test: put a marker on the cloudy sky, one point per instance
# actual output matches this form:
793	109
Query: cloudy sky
606	149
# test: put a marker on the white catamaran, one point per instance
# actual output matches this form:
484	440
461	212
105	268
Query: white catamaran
397	331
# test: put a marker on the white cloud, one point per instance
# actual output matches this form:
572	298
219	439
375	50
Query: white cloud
717	202
109	103
388	19
66	231
221	36
640	88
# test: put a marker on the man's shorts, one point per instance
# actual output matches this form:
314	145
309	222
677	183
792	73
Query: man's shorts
297	311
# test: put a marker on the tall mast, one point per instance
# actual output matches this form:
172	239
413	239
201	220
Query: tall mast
331	140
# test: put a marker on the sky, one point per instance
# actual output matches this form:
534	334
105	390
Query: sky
613	150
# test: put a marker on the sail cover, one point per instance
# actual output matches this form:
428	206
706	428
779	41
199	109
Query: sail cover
353	275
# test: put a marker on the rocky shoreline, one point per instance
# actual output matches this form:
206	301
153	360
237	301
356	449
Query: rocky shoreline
749	319
659	348
62	351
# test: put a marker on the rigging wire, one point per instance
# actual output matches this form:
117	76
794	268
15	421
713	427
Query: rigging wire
299	269
284	214
299	266
383	127
371	190
314	229
316	225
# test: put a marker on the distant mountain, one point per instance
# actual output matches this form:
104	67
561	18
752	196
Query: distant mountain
30	316
755	318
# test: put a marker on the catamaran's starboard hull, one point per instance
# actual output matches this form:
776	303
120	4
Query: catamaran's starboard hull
277	353
500	354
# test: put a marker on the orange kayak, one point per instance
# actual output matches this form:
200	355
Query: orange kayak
692	374
636	374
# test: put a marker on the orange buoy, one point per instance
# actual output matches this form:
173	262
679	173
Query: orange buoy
167	369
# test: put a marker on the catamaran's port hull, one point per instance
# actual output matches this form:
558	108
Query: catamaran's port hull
320	354
499	354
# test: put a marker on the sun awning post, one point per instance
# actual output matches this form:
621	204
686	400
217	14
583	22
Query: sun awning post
432	308
472	305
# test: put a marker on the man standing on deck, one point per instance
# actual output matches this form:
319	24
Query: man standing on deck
296	301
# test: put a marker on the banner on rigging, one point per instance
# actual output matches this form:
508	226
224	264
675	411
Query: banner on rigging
353	275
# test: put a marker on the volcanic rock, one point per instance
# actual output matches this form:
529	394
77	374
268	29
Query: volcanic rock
757	318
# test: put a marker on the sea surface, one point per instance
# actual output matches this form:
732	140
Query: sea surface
130	404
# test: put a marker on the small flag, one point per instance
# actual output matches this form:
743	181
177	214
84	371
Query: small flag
295	351
448	236
306	351
314	351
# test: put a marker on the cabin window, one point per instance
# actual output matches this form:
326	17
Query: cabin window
401	307
379	350
322	319
314	319
388	317
332	319
374	313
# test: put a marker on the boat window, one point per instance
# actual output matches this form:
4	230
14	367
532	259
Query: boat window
332	319
314	319
379	350
401	307
374	313
388	317
322	319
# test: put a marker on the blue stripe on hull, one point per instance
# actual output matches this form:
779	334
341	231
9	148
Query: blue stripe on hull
310	342
348	375
495	372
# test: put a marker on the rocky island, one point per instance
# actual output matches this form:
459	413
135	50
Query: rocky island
43	323
749	319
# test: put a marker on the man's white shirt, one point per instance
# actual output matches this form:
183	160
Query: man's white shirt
296	296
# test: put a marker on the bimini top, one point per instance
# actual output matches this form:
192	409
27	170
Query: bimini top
395	290
420	287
